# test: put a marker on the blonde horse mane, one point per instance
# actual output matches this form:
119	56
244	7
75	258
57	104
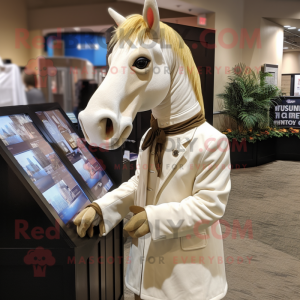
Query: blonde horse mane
135	27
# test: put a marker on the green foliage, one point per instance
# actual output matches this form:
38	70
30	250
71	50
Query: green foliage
248	97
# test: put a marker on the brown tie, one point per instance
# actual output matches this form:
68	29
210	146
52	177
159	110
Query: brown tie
159	134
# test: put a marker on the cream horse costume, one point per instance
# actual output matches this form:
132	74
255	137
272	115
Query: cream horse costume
177	247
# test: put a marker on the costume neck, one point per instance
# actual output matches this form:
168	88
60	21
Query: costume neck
180	103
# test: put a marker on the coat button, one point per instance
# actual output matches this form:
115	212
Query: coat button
175	152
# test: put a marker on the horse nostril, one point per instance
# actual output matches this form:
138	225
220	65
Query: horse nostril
109	127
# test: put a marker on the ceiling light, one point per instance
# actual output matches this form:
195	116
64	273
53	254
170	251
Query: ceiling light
290	28
284	48
76	28
286	26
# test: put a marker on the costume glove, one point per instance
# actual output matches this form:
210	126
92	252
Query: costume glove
88	218
138	225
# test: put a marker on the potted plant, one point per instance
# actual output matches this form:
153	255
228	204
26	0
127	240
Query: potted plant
247	100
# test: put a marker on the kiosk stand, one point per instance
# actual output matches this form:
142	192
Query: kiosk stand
47	176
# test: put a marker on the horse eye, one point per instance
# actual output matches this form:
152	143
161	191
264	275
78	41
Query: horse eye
141	62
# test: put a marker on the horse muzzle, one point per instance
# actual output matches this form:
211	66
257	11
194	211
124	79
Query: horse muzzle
105	129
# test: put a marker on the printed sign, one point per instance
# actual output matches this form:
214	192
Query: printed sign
287	113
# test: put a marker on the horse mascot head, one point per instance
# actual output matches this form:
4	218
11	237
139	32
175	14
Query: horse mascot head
150	68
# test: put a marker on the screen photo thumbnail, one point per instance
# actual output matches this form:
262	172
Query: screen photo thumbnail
38	168
80	157
16	129
66	201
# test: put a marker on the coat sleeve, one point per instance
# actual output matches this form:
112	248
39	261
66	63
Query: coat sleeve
207	203
115	205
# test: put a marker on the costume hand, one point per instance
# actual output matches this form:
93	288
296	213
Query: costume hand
87	219
138	225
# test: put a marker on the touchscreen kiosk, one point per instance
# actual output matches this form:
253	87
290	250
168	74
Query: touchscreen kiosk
76	152
48	175
42	165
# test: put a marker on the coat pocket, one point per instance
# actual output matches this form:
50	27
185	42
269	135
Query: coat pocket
193	242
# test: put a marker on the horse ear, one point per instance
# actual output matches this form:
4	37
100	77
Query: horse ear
151	16
119	19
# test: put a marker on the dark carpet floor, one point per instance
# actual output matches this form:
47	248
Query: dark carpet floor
262	233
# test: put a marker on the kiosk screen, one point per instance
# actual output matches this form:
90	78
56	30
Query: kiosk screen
77	153
42	165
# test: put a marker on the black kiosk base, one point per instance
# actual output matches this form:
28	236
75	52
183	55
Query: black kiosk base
40	256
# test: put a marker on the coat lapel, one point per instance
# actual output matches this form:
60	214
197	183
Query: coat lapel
169	160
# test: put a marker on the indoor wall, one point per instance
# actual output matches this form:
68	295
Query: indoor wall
230	19
192	21
86	14
291	62
250	16
13	15
269	51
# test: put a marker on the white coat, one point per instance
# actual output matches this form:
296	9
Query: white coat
182	257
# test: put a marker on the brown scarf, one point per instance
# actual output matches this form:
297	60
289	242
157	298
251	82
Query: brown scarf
159	134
